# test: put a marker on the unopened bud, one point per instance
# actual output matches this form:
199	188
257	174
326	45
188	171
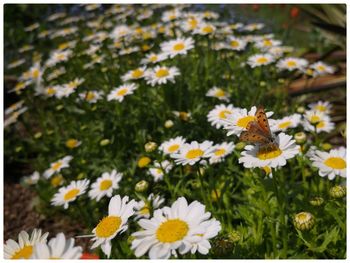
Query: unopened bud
301	109
337	191
150	146
316	201
168	124
300	137
38	135
104	142
141	186
304	221
326	146
240	146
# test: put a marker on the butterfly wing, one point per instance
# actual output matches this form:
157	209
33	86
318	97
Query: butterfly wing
263	121
253	137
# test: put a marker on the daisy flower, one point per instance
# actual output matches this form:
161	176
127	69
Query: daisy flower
292	63
183	227
265	44
219	113
321	68
253	27
134	74
69	193
260	60
159	169
321	106
57	166
218	93
57	248
171	15
119	211
286	149
237	122
179	46
285	123
191	153
317	121
161	75
331	163
278	51
91	96
16	63
172	145
237	44
220	151
120	32
153	58
191	23
57	57
120	92
105	185
143	209
24	248
205	29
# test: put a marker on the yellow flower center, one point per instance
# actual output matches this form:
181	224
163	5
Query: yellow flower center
291	64
321	68
173	148
24	253
72	143
243	122
35	73
321	108
267	169
63	46
219	93
108	226
56	180
90	96
194	153
335	163
265	155
50	91
60	56
105	184
193	23
207	29
122	92
223	114
161	73
71	194
262	60
220	152
144	161
285	124
172	230
267	43
56	165
234	43
137	73
144	210
179	46
320	125
153	58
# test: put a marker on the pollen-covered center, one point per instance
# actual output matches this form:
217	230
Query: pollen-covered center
207	29
321	68
172	231
122	92
105	184
108	226
24	253
153	58
220	152
335	163
56	165
291	64
173	148
137	73
267	43
194	153
71	194
161	73
315	119
320	108
234	43
90	96
219	93
179	46
262	60
265	155
223	114
243	122
285	124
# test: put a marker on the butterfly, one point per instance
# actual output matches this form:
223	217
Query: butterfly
258	131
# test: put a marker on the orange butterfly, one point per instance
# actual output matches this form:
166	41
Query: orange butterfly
258	131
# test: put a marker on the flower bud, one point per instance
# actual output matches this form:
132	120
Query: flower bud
300	137
240	146
326	146
49	132
18	149
304	221
104	142
301	109
281	81
234	236
215	195
143	162
141	186
38	135
72	143
262	83
59	107
150	147
316	201
337	191
168	124
83	127
222	245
